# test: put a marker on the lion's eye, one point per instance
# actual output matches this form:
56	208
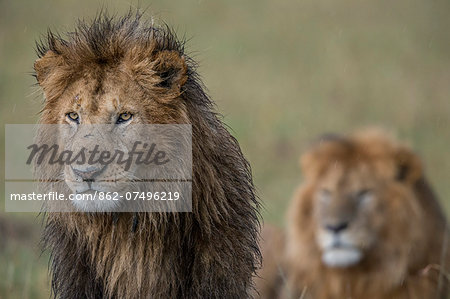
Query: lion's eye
124	117
363	195
73	116
324	194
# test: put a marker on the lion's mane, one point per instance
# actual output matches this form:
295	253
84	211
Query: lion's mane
209	253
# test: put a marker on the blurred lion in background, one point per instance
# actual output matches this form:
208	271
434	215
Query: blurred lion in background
270	277
364	224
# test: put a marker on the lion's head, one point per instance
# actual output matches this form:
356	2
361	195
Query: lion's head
102	92
362	208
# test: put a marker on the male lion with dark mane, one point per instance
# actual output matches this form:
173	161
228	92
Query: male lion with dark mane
364	224
120	72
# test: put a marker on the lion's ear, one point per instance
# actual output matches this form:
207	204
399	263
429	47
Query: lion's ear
171	68
409	167
45	66
325	150
311	165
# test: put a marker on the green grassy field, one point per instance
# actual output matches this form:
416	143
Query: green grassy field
281	72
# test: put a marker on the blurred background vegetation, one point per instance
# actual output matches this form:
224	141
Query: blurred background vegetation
281	73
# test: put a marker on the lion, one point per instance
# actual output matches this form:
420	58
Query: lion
121	71
270	277
365	223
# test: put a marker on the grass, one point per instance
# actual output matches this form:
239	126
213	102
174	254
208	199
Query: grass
281	72
23	269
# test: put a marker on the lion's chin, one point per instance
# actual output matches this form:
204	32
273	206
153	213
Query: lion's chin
95	204
341	257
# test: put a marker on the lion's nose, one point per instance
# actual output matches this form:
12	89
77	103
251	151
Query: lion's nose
336	228
88	174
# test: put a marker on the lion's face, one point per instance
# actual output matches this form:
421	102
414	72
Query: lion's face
104	120
354	191
347	226
100	109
